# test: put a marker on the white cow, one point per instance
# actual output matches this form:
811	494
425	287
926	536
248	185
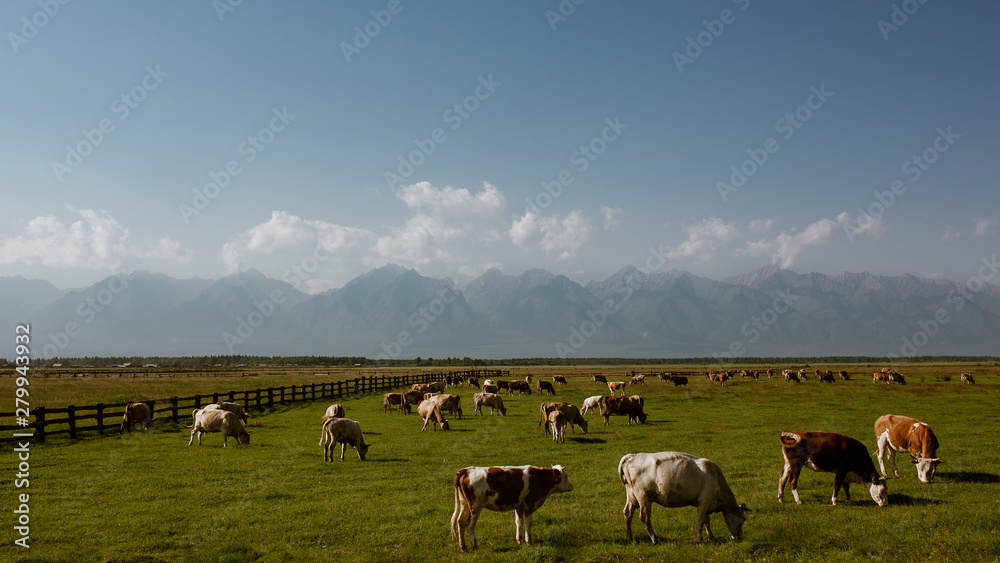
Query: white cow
218	420
591	403
234	408
674	479
345	432
492	400
557	420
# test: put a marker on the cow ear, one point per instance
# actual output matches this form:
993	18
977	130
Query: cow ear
937	460
914	461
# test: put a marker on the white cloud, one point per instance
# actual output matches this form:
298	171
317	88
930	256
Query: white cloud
445	217
950	235
283	231
983	225
96	242
552	234
788	246
611	220
704	239
761	226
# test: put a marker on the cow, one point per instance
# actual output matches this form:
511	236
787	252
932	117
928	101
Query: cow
598	378
489	382
473	382
770	373
721	377
591	403
345	432
522	489
679	380
904	434
897	378
637	379
435	387
450	403
234	408
391	399
136	413
217	420
430	411
829	452
571	412
490	389
826	377
521	387
559	379
630	406
557	421
336	411
844	375
967	378
675	479
880	377
492	400
802	374
502	384
545	386
616	386
791	376
411	397
527	379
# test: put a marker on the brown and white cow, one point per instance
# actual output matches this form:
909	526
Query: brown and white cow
336	410
234	408
571	412
487	388
412	397
492	400
557	422
880	377
345	432
790	375
639	378
430	411
675	479
450	403
545	386
844	375
904	434
521	387
522	489
616	386
559	379
826	377
829	452
967	378
217	420
628	406
391	399
473	382
591	403
598	378
136	413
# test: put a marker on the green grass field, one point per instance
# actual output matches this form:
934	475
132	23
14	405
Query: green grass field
150	497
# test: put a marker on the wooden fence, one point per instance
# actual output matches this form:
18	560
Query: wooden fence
74	419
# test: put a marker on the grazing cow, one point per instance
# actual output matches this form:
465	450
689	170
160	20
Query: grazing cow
473	382
435	387
679	380
450	403
217	420
522	489
521	387
490	389
492	400
501	384
430	411
638	378
630	406
545	386
675	479
880	377
345	432
410	398
571	412
598	378
896	377
136	413
826	377
770	373
720	377
591	403
905	434
664	376
616	386
967	378
791	376
234	408
391	399
559	379
336	411
802	375
557	421
841	455
844	375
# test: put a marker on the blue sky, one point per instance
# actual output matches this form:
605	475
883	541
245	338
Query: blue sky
487	104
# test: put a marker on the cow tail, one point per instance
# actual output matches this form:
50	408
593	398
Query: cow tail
789	439
460	516
621	467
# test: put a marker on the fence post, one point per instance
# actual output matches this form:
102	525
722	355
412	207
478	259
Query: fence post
215	397
71	411
39	424
282	394
173	409
99	407
270	396
197	401
232	396
258	397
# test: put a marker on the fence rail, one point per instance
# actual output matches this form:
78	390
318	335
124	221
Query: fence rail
66	420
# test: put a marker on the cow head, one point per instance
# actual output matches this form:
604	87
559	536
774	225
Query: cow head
444	425
243	437
642	418
562	481
878	491
735	520
582	423
363	450
926	468
503	411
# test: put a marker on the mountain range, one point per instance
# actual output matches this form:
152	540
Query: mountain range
394	312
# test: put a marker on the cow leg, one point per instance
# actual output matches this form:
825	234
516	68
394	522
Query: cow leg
892	461
645	507
518	524
630	506
343	448
425	425
703	521
838	482
471	526
224	436
527	527
191	441
882	440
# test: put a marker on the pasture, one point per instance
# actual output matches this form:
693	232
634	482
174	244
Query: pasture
150	497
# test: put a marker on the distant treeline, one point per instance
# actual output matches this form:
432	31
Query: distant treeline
249	362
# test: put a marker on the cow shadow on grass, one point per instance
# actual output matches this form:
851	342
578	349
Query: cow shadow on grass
969	477
588	440
897	499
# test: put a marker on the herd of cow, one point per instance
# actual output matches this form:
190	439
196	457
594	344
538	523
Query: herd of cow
671	479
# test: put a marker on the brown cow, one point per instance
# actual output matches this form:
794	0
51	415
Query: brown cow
598	378
345	432
521	387
571	412
136	413
844	375
630	406
391	399
826	377
841	455
905	434
450	403
492	400
545	386
559	379
430	411
616	386
411	397
491	389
